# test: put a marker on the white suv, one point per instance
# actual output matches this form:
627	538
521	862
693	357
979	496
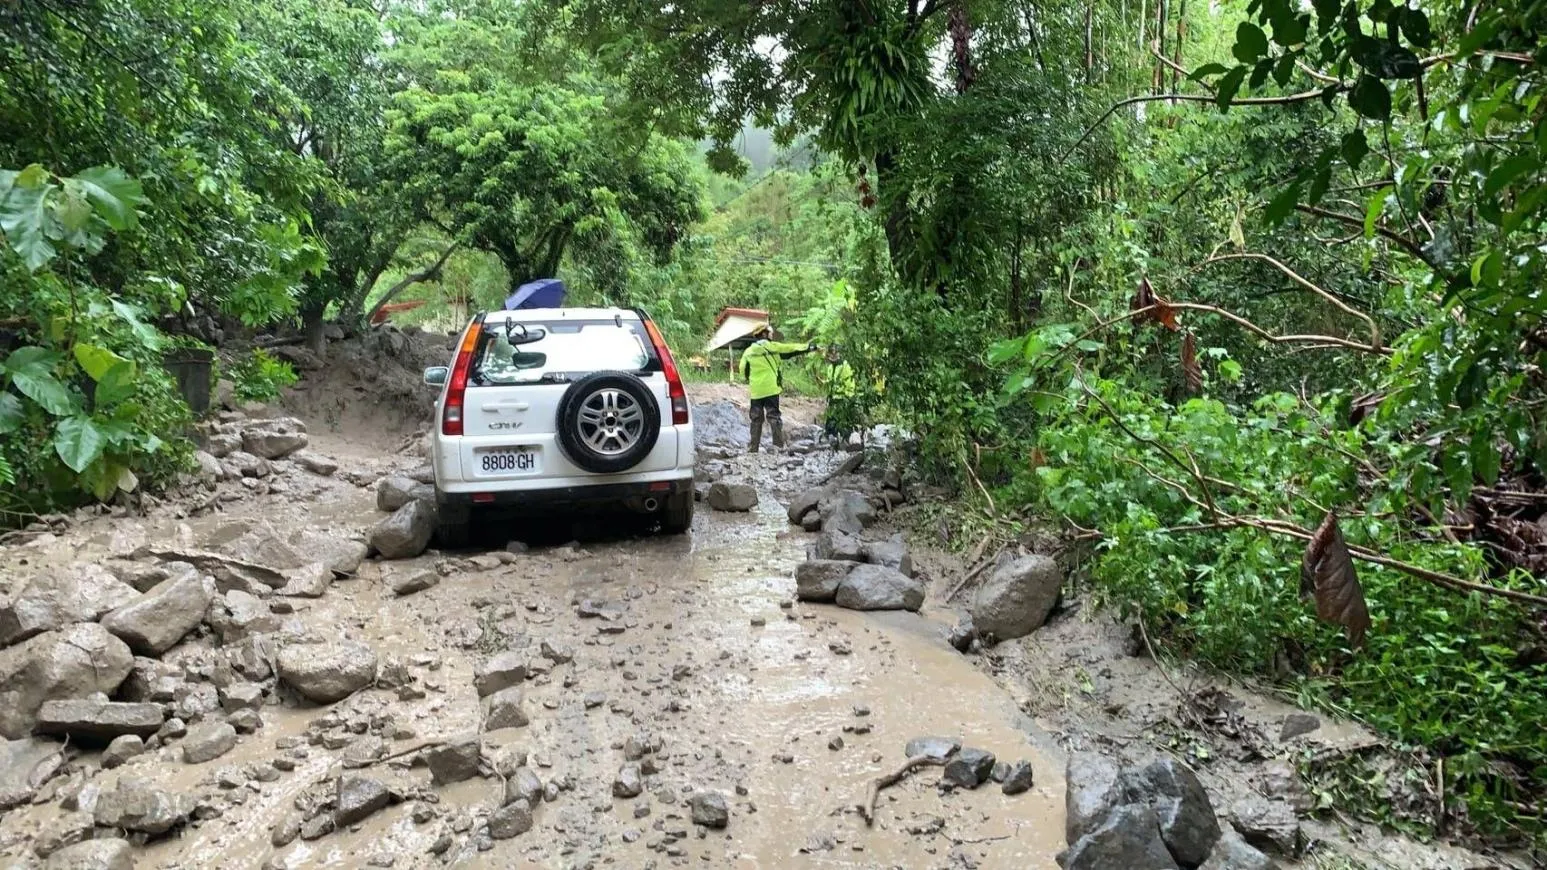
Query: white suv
561	407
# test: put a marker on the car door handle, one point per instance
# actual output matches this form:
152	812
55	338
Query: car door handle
503	406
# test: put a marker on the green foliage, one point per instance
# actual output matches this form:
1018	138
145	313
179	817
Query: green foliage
260	377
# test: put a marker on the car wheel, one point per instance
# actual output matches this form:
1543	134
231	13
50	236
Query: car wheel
677	518
452	527
608	422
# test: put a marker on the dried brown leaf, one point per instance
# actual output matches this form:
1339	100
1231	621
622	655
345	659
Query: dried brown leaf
1165	315
1143	298
1328	574
1192	374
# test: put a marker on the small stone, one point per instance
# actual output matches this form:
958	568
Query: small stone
709	809
501	672
503	710
246	721
511	820
1297	725
524	785
835	744
1019	779
454	761
122	749
969	768
208	741
104	854
935	748
629	782
409	582
358	798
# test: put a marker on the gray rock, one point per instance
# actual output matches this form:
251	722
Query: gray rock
839	546
872	587
409	582
938	748
241	696
122	749
848	512
406	533
359	797
503	710
969	768
1181	805
341	554
454	761
709	809
79	593
733	497
321	466
1297	725
240	463
1233	853
962	635
223	444
245	721
65	831
812	522
151	680
157	620
1020	779
311	580
236	616
98	721
208	741
500	672
1128	839
891	553
805	503
77	661
286	830
818	579
1093	788
25	765
1017	597
324	673
104	854
395	491
141	576
511	820
194	701
1269	825
268	443
524	785
559	654
139	807
630	782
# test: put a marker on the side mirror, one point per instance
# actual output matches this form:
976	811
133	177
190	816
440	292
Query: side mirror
436	376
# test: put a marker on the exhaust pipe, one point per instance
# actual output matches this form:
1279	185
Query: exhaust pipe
652	504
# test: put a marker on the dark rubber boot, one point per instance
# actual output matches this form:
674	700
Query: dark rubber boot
778	433
757	436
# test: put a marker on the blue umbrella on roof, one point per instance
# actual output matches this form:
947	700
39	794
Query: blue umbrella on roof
542	293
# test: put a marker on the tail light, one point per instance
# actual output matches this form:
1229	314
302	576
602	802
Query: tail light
674	388
456	388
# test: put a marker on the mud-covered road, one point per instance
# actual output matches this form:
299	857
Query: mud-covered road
686	660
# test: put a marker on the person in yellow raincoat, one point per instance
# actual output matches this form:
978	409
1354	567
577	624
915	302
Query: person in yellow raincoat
761	368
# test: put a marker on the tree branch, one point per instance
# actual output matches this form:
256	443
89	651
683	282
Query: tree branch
1288	99
1303	282
425	274
1397	238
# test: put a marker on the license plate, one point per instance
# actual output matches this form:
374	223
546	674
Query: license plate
509	460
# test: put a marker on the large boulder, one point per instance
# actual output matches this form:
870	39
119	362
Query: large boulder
274	439
834	545
1093	787
873	587
394	491
503	709
890	553
236	616
137	806
1181	805
1017	597
846	511
805	503
98	721
819	579
75	662
157	620
358	798
732	497
25	765
208	741
1233	853
1129	838
327	672
1269	825
406	533
79	593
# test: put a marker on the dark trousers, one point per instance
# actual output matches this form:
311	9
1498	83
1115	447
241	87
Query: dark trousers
766	407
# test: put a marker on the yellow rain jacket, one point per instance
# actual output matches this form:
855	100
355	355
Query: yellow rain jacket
760	366
840	381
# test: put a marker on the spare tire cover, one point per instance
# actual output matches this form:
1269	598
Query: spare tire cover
608	422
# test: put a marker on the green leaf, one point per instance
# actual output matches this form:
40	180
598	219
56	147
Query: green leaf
47	391
1291	30
1089	345
1485	458
1372	211
1282	204
78	442
1355	148
116	384
31	360
113	194
1229	84
24	214
1250	43
95	361
11	413
1509	170
1319	183
1370	98
1001	352
1208	69
143	331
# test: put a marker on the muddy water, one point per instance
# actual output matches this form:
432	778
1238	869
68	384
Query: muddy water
745	690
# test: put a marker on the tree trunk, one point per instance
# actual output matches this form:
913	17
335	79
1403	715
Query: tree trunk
313	325
426	274
1181	37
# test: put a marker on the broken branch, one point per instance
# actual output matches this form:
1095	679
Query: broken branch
868	808
1307	284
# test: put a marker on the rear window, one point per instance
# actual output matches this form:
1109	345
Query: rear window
533	351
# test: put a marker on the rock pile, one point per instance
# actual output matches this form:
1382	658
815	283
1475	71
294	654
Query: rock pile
1158	816
843	567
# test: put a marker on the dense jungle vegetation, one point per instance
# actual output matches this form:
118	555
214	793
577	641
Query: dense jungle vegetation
1245	298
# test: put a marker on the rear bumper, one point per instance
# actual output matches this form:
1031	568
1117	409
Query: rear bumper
631	494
